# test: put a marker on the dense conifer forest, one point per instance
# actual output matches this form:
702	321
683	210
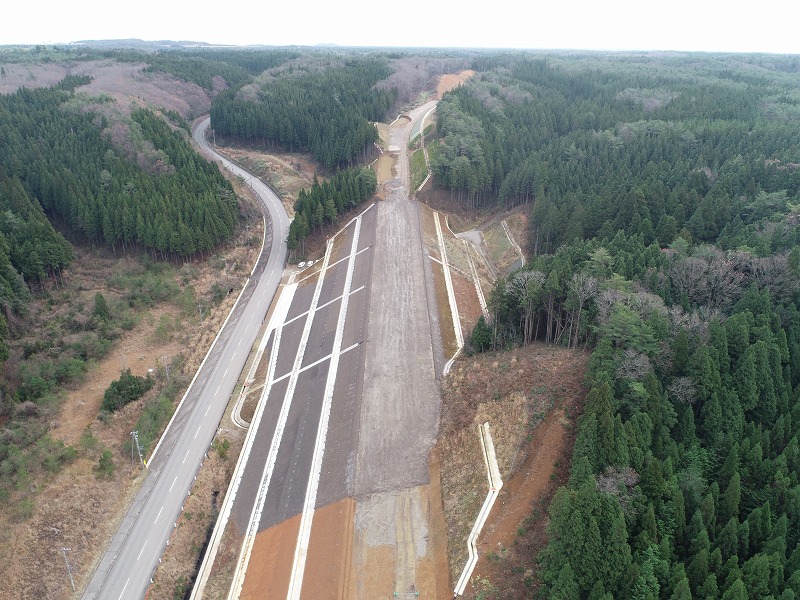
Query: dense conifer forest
664	201
234	67
323	203
325	110
664	217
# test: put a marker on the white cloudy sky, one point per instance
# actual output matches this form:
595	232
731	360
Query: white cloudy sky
709	25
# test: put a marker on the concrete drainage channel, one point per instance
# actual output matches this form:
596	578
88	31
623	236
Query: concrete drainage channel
495	484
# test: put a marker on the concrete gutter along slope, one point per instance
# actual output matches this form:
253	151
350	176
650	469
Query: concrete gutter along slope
134	551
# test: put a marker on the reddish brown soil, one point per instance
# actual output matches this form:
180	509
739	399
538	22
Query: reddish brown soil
549	445
66	507
452	81
329	572
379	577
515	530
469	308
437	534
271	562
137	351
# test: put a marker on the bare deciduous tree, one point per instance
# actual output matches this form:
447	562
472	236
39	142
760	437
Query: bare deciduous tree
683	390
583	287
526	287
634	365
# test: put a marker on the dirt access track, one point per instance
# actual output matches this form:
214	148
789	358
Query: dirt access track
337	499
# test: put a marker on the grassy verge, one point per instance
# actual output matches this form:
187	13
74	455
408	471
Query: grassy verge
418	169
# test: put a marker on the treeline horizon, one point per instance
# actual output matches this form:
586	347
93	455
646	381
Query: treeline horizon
664	212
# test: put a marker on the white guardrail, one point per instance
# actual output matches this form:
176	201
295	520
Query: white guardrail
495	484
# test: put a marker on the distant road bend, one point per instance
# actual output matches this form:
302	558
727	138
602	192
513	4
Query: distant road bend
132	556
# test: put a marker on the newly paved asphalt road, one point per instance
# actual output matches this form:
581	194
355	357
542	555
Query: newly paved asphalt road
279	471
134	551
383	410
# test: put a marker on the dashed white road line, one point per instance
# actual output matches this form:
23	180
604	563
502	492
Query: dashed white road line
173	482
142	550
125	587
159	513
198	431
185	457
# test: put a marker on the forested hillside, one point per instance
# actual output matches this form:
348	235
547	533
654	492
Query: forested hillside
236	67
664	232
325	110
158	196
129	184
323	203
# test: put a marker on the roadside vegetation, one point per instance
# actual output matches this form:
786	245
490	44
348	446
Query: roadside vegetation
418	168
664	236
323	202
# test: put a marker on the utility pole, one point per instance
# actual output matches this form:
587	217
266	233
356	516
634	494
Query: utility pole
69	569
135	444
166	366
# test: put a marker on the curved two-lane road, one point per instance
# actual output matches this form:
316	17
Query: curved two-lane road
133	554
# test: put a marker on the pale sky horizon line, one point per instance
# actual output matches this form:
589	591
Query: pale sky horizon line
621	25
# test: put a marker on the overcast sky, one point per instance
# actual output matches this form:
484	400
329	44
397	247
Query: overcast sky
708	25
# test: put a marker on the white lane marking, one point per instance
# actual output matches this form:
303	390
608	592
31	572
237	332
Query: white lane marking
125	587
185	457
315	363
217	392
196	432
321	306
159	513
142	550
225	373
208	409
173	483
278	316
266	478
304	535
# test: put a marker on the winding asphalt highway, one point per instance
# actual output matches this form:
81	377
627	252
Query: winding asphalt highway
134	552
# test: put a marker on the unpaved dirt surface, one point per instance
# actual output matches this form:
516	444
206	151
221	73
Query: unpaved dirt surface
531	397
464	284
75	509
452	81
285	173
395	515
137	351
330	572
269	551
400	398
